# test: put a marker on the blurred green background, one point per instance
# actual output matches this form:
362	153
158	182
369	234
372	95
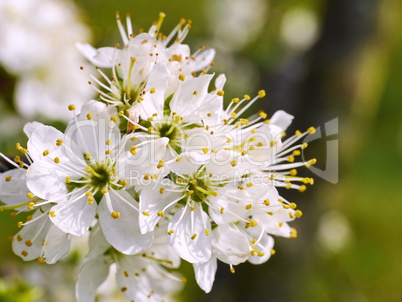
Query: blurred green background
318	60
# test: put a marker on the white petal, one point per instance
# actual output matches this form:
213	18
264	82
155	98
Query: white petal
13	192
189	162
30	127
152	201
97	242
92	274
281	119
46	181
265	246
55	245
192	223
204	59
185	102
145	161
154	102
124	232
229	245
34	232
205	273
75	215
44	138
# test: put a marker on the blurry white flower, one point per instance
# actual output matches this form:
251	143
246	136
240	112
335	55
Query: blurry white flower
37	46
140	277
133	64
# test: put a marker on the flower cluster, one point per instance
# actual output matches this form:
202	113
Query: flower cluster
156	170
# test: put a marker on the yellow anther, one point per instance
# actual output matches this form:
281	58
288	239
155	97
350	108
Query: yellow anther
193	237
91	200
296	152
292	205
293	172
273	252
293	233
23	150
68	179
249	206
170	232
266	202
145	213
161	214
19	224
18	146
272	143
108	152
291	159
103	191
222	210
8	178
272	177
233	115
311	181
113	118
108	142
311	130
285	206
232	270
247	97
41	260
261	93
235	100
190	192
179	180
88	194
19	238
30	195
152	91
195	92
205	150
192	209
182	77
88	156
121	113
209	114
123	182
28	243
249	184
270	213
140	99
52	214
304	146
24	253
185	136
298	213
71	107
302	188
253	223
220	93
89	116
233	163
59	142
115	215
45	153
161	190
183	280
207	232
262	114
17	159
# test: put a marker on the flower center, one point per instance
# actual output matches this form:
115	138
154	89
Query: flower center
100	177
